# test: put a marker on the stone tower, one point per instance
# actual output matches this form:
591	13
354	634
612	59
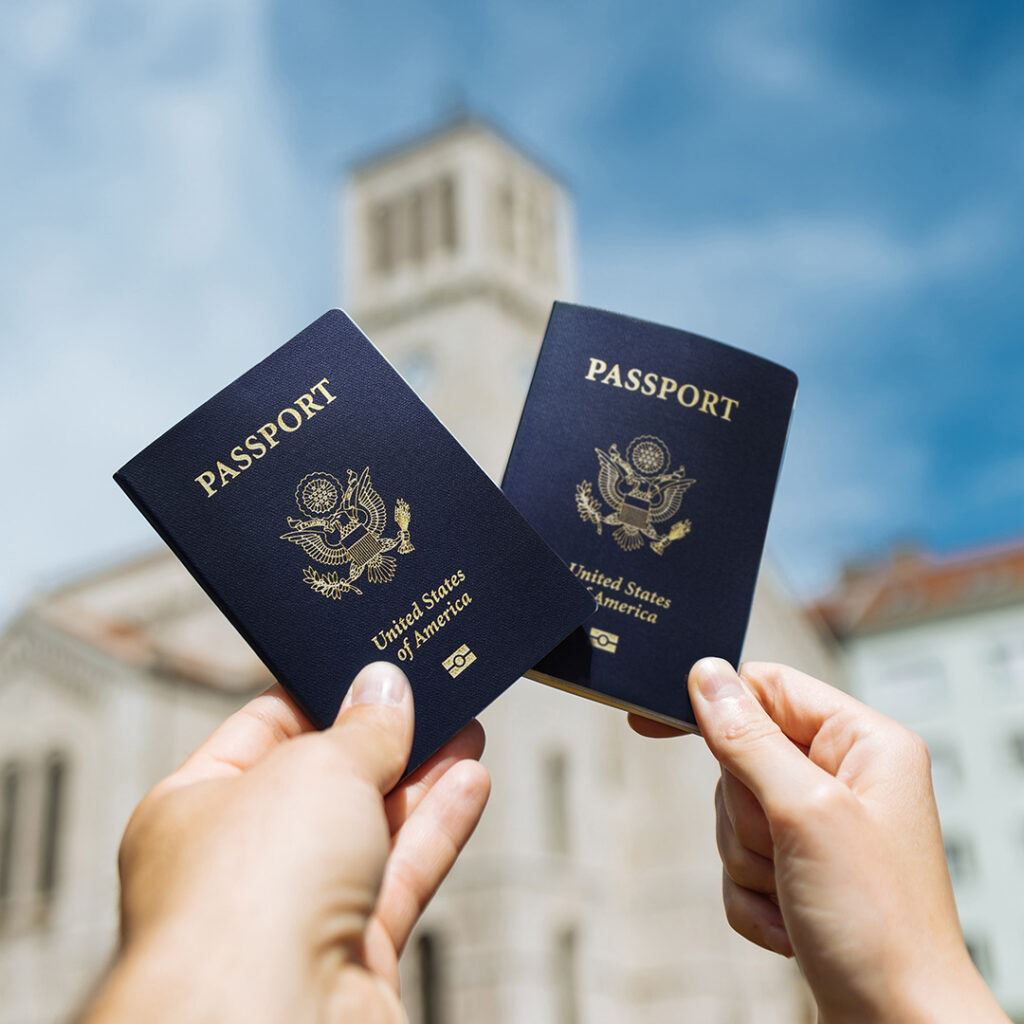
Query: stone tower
454	247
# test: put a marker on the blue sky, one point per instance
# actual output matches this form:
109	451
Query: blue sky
837	186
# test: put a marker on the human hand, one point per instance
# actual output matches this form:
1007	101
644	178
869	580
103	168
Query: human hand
832	849
271	879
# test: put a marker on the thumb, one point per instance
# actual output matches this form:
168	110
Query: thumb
745	739
374	726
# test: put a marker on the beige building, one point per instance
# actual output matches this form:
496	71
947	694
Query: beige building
938	643
590	894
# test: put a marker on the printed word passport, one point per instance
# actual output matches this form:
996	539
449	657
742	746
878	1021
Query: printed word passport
335	521
647	457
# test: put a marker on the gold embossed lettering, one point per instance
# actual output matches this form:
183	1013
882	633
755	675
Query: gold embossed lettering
257	447
265	438
241	460
205	480
668	385
710	399
268	432
613	377
227	474
730	404
689	389
321	386
307	405
296	416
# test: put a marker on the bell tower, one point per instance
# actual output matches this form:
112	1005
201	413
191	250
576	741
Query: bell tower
454	247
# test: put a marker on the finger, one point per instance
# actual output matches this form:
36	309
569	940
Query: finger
755	917
373	731
746	815
244	738
747	742
466	744
746	868
800	704
648	727
428	845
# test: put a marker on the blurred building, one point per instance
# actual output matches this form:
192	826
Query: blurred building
938	643
591	892
105	686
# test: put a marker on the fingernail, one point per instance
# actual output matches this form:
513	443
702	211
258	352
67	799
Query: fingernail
379	683
717	679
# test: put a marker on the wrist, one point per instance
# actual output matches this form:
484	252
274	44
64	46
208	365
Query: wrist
166	974
951	992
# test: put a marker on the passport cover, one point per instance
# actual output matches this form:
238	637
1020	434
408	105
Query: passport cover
335	522
647	457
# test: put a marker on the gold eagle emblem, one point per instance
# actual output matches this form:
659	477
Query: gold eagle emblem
344	525
642	492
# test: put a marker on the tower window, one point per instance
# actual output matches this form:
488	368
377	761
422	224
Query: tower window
555	799
534	229
430	980
506	218
449	218
382	241
417	226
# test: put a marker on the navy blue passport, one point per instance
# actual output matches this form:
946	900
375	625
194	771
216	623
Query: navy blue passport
647	457
335	522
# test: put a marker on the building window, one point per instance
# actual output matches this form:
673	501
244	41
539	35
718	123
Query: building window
10	785
555	801
1007	661
566	987
382	238
417	227
449	217
506	218
1016	745
429	979
539	231
53	813
32	804
917	683
960	857
947	770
